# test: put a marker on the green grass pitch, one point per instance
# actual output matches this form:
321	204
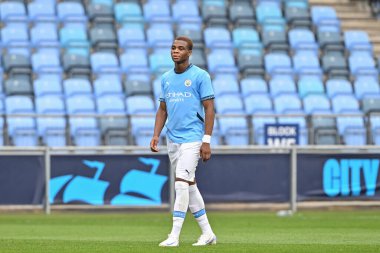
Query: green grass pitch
264	232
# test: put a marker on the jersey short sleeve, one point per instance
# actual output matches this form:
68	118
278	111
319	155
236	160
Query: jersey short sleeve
206	90
161	98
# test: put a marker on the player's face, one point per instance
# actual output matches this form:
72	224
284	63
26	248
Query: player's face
180	51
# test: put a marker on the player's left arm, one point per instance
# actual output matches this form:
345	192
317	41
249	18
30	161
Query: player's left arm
209	125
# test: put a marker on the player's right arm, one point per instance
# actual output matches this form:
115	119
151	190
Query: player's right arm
161	117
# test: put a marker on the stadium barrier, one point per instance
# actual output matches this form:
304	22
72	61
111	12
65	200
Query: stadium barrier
131	177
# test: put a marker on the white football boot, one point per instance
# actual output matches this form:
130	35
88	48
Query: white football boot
170	242
206	239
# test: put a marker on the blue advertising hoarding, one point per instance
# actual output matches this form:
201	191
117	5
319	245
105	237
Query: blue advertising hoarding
109	180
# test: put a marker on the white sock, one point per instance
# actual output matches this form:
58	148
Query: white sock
181	204
197	207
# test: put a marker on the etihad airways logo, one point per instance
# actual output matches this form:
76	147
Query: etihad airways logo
178	96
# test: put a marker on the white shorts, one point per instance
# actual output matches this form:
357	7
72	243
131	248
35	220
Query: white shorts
184	159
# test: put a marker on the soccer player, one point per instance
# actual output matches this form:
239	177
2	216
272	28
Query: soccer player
187	103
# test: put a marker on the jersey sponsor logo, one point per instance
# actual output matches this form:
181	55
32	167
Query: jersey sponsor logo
188	83
178	96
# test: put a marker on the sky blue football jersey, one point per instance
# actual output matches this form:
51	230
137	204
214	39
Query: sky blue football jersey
183	94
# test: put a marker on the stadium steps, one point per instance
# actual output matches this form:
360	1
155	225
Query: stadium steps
355	15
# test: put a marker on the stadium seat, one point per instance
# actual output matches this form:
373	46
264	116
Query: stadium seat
45	37
20	86
234	129
247	39
257	102
357	42
157	12
159	38
141	111
44	87
366	86
306	63
129	14
278	64
214	14
330	41
77	86
241	14
297	16
52	130
113	127
46	63
287	103
137	87
22	130
76	65
217	37
279	86
74	40
13	13
72	13
15	39
221	61
84	130
223	86
310	85
41	12
106	86
105	63
160	62
253	86
186	14
259	120
17	65
302	40
316	102
344	102
335	66
131	37
362	64
275	40
103	39
325	16
338	86
352	128
100	14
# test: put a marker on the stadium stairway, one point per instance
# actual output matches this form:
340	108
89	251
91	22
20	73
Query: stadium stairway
355	15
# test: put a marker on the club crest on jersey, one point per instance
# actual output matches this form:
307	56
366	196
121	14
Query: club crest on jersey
188	83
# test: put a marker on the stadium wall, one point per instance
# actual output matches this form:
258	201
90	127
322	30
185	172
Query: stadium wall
134	177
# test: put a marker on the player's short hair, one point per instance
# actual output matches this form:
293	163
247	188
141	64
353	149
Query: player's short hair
187	39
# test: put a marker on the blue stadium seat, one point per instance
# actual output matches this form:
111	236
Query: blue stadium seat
113	127
134	61
186	14
74	40
221	61
141	126
45	62
279	85
83	130
15	39
159	38
131	37
22	130
44	36
269	14
302	40
217	37
234	129
160	62
52	130
106	86
362	64
316	102
156	12
214	14
306	64
77	86
246	39
257	102
41	12
44	87
310	85
259	120
13	13
129	14
105	63
72	13
287	103
278	64
344	102
325	16
366	86
338	86
253	86
357	41
224	86
352	128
